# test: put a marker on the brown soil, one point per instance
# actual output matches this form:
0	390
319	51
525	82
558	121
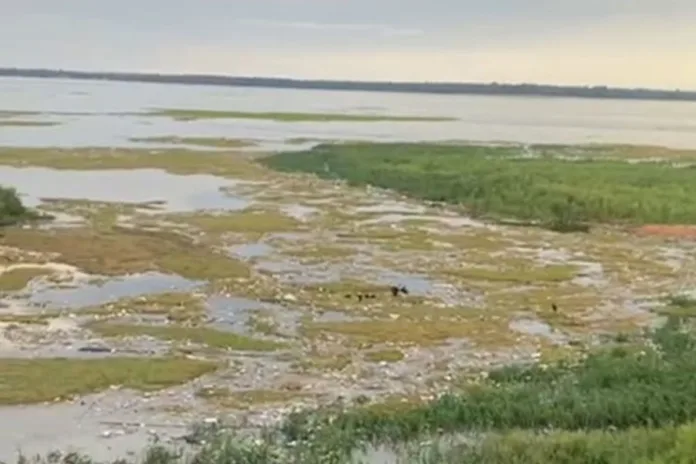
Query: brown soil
677	231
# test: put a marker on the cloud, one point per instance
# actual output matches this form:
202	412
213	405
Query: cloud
618	42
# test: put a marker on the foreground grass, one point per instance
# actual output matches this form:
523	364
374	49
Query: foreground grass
37	380
629	402
499	182
192	115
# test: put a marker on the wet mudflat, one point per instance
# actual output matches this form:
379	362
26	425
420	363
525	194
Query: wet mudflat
256	291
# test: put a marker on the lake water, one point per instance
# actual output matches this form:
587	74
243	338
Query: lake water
479	118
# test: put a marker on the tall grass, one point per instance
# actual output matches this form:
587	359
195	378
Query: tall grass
499	182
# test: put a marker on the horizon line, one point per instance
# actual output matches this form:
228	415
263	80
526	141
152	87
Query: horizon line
384	85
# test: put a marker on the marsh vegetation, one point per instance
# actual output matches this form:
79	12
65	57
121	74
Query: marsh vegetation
508	182
192	115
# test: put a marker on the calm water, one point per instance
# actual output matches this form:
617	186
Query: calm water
480	118
179	193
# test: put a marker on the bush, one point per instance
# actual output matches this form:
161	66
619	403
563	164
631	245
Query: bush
12	210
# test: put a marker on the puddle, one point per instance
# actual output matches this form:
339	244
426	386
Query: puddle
111	290
251	250
178	193
233	313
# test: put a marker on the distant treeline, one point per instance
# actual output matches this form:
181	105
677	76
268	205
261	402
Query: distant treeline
405	87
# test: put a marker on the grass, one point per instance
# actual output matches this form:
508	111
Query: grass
178	307
27	381
619	387
680	306
211	142
417	330
23	123
497	182
18	277
529	274
199	335
635	445
117	251
172	160
192	115
251	222
389	356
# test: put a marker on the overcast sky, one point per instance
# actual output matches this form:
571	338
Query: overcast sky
614	42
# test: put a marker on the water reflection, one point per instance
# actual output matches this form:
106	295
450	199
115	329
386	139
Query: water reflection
177	192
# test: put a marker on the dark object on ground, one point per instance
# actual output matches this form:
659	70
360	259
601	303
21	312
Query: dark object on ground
554	307
95	349
396	290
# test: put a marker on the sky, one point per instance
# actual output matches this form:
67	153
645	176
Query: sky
629	43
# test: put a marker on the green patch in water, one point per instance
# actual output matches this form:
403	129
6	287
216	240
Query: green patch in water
211	142
192	115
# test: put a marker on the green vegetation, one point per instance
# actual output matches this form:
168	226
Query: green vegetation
173	160
212	142
37	380
117	251
12	211
253	223
562	193
385	356
23	123
17	278
192	115
200	335
680	306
